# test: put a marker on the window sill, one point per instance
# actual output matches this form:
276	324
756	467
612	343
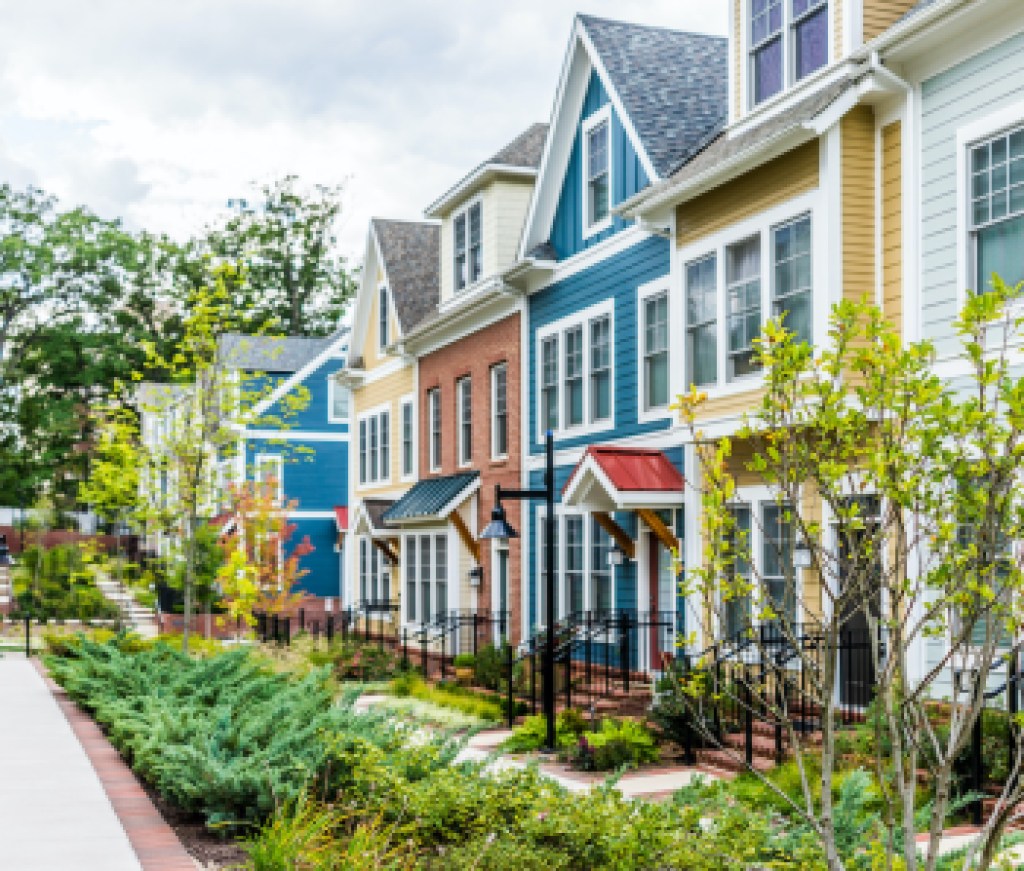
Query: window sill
599	227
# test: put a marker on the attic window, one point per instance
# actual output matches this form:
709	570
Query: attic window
382	318
468	230
597	171
788	41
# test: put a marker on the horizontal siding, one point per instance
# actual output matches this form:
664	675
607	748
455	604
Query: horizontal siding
782	179
964	93
892	224
748	401
388	390
628	177
510	202
880	15
313	416
616	278
315	473
858	190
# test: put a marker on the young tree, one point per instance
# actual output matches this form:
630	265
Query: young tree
901	486
258	573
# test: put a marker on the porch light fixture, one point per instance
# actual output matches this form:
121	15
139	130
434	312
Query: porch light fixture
616	556
801	554
500	529
476	576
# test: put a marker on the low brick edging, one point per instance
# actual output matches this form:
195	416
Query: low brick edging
152	839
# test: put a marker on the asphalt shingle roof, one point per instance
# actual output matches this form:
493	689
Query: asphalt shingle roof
428	497
271	353
412	258
524	150
672	84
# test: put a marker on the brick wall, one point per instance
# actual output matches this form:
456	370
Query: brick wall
474	356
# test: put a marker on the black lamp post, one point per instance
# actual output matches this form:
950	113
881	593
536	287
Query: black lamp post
499	528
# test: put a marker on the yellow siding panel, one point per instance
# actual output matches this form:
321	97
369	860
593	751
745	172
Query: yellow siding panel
729	406
390	389
857	134
880	15
782	179
892	223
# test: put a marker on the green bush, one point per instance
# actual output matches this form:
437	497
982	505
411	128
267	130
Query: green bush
54	585
447	695
464	660
615	744
489	668
532	734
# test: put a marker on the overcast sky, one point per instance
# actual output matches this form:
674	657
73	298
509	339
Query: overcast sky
158	112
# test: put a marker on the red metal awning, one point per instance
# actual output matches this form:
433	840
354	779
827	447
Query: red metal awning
609	478
341	517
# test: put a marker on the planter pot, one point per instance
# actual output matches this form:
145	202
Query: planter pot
464	674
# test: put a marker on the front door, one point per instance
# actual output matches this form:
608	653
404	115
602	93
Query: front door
856	659
661	601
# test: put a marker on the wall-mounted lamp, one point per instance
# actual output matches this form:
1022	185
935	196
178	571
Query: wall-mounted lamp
616	556
476	576
801	554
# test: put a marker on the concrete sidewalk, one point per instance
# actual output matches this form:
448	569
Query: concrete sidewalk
54	812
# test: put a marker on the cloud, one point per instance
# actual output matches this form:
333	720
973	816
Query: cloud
160	112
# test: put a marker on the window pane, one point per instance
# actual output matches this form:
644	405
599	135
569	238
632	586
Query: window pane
475	243
743	304
441	573
407	439
549	383
792	290
597	173
410	577
767	70
777	560
737	601
600	369
460	252
600	571
425	577
573	596
702	316
385	445
811	43
499	436
1000	250
574	376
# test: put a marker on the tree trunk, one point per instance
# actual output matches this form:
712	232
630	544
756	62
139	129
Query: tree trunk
190	568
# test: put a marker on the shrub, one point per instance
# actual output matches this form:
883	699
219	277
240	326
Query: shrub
489	668
616	744
464	660
448	696
532	734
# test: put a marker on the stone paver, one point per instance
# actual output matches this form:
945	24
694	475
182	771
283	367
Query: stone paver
54	813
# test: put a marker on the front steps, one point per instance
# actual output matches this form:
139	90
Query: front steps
140	618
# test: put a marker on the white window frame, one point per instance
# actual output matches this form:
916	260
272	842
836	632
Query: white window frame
383	317
379	413
476	203
259	476
787	36
434	431
494	370
645	292
1003	120
411	543
332	388
601	116
407	402
563	512
464	385
582	319
811	203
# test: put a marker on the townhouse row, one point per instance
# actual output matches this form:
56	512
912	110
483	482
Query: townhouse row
685	189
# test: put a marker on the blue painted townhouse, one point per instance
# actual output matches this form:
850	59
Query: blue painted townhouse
633	103
305	449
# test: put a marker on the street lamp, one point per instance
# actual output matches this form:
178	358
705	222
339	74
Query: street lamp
499	528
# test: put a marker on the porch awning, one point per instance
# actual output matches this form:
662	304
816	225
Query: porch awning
433	498
367	517
623	479
341	517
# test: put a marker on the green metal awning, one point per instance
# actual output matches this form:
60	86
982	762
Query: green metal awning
433	498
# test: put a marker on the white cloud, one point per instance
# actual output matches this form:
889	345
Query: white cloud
160	112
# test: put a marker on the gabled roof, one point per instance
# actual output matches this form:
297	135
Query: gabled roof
613	478
673	84
411	254
273	353
669	89
521	156
432	498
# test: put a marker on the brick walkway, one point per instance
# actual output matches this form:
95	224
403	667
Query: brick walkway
67	800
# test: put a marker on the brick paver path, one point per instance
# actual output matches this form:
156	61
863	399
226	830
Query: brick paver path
67	801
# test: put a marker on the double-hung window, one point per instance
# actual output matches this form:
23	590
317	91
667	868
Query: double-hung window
743	305
407	439
600	570
574	376
338	401
777	572
467	229
655	351
464	403
788	41
434	420
597	171
542	592
374	581
997	209
600	369
499	411
737	603
426	576
382	318
549	382
791	287
375	447
572	602
702	320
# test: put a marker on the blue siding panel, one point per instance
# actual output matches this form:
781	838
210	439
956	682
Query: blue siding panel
616	278
315	473
628	178
323	565
313	417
